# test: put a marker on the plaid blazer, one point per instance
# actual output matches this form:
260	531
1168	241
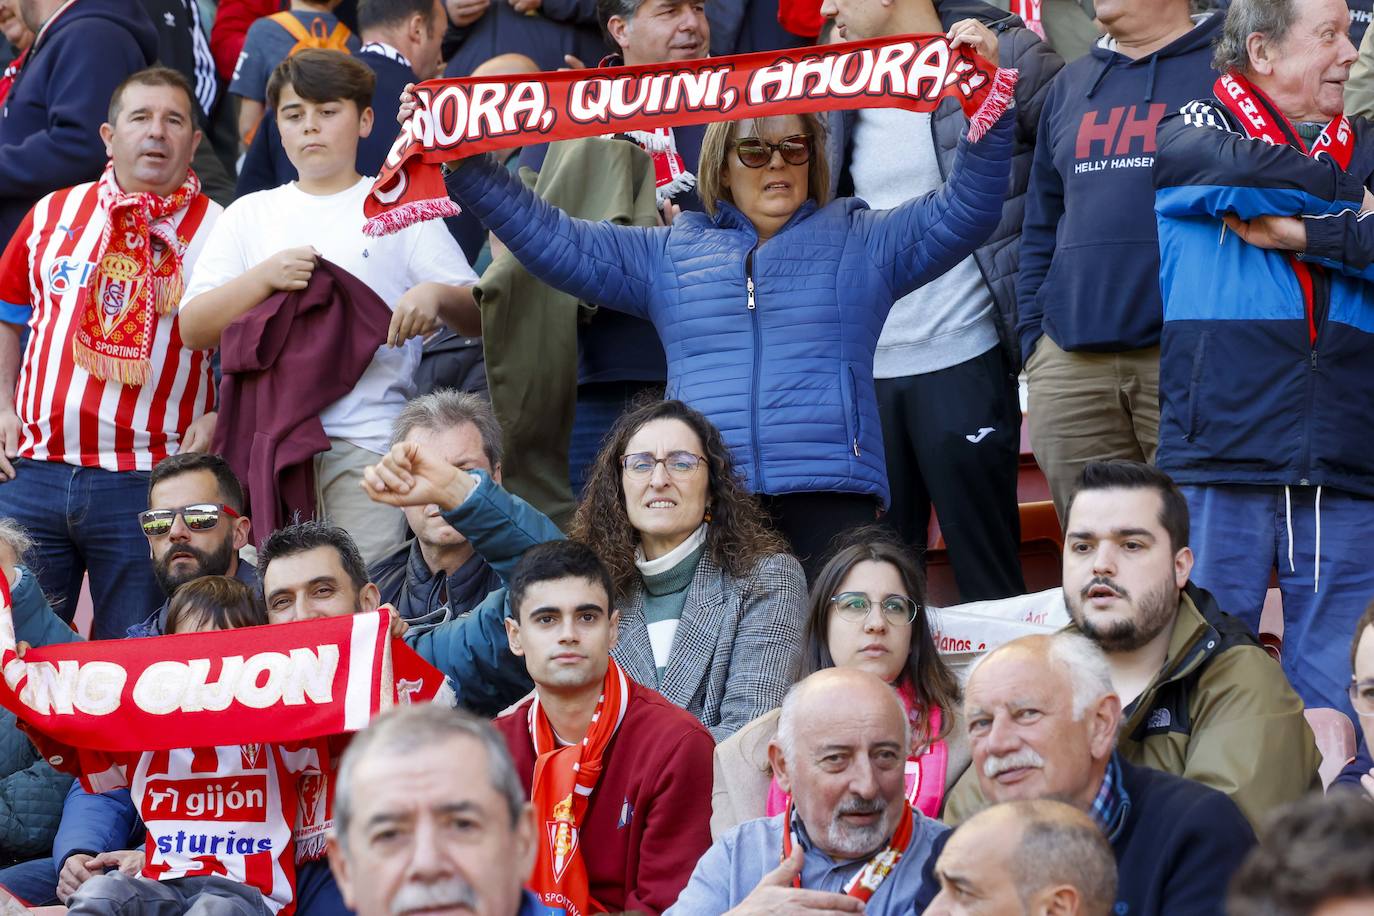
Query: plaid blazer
737	647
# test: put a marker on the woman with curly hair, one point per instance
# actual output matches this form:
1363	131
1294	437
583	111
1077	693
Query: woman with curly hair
710	601
867	610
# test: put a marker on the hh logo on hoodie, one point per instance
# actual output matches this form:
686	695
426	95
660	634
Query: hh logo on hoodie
1121	137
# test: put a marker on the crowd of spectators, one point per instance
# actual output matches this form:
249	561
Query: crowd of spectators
646	450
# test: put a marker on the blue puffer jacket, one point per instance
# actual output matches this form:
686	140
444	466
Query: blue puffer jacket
772	341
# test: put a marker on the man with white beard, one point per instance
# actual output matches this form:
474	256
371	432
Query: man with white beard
848	841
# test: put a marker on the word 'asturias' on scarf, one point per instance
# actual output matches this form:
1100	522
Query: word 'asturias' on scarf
257	685
137	278
457	118
564	778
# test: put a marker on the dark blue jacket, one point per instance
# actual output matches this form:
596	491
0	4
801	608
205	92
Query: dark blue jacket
1349	778
50	124
267	166
773	341
1246	396
156	624
1179	845
559	27
473	650
1089	256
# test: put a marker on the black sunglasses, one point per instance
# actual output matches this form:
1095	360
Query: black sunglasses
755	152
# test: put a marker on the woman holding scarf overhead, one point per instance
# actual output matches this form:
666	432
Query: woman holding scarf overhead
770	304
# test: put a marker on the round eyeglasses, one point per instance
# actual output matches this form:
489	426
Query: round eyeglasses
898	610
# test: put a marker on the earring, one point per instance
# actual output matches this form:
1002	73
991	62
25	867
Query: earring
707	516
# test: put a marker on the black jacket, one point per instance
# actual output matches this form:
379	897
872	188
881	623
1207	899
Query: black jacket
427	598
999	257
1179	846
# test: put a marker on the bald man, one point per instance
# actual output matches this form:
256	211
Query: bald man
1042	718
848	842
1035	858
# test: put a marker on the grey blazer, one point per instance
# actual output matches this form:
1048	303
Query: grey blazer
739	790
737	647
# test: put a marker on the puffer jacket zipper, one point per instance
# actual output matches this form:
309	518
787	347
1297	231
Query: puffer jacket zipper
752	305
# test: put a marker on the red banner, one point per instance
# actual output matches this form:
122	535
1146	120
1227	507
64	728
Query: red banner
457	118
269	684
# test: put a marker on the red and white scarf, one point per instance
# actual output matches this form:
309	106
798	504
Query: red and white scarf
10	72
866	883
270	684
565	777
137	278
457	118
1029	11
1261	120
671	176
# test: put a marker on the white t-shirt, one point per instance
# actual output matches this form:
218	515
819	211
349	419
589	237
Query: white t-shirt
259	225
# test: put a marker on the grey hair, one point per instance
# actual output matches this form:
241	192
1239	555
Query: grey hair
13	534
406	729
1083	662
448	408
1270	18
787	725
607	9
1062	845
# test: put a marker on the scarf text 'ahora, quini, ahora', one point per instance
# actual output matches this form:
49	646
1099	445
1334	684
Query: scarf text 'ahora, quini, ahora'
457	118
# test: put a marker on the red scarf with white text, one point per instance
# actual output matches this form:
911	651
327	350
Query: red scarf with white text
564	778
137	278
456	118
258	685
866	883
1262	121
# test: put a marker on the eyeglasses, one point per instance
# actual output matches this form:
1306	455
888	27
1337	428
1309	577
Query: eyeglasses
755	152
678	464
898	610
1362	696
200	517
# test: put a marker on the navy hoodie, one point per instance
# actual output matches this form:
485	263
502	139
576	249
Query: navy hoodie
50	125
1089	249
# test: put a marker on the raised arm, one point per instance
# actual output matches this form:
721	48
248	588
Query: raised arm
499	525
604	263
926	236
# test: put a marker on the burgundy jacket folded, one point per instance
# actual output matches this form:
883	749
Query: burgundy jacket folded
283	362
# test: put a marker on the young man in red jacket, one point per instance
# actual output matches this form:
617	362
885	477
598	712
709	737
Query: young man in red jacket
620	779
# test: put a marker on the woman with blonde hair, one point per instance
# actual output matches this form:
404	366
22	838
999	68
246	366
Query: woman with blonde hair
770	303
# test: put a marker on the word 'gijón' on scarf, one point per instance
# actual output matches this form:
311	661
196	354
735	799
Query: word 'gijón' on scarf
454	119
280	683
137	277
1261	120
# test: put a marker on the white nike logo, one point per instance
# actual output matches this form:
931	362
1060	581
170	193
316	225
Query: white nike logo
982	434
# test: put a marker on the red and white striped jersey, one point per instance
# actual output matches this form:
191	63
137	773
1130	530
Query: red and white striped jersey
65	414
231	811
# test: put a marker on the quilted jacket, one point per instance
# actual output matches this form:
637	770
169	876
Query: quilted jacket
31	795
773	340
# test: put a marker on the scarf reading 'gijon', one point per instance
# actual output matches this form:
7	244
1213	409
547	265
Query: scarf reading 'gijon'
258	685
457	118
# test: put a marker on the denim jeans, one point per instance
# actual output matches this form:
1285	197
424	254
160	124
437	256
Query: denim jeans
1240	533
34	882
85	520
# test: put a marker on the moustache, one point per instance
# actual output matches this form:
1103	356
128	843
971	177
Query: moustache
1105	582
994	766
449	893
860	806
